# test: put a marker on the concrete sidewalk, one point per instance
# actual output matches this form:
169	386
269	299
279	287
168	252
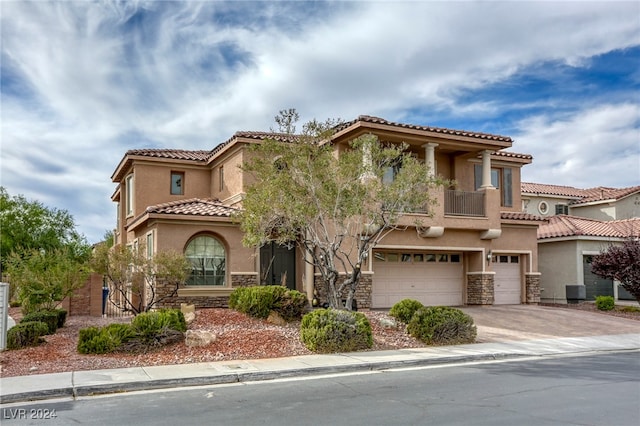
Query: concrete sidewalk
92	382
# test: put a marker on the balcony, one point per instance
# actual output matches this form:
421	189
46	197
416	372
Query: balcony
464	203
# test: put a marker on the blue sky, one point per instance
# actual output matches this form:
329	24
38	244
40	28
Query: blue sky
83	82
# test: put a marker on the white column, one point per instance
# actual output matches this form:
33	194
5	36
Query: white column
430	158
486	169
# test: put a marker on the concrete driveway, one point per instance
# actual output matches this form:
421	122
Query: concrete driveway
525	322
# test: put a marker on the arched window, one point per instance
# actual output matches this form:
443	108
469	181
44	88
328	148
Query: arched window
208	259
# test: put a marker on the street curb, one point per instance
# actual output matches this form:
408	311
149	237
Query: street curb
253	376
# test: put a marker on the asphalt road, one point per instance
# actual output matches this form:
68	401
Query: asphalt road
588	390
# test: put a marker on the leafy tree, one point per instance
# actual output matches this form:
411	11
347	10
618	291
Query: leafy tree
621	263
29	225
334	207
44	277
134	278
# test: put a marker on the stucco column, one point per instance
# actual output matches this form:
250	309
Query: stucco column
486	169
430	158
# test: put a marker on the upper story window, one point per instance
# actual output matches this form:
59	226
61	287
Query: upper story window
221	178
208	259
562	209
177	183
392	171
502	179
128	182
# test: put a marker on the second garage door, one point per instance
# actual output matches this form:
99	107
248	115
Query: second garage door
507	283
431	278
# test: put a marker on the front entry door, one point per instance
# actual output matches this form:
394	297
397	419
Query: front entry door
278	265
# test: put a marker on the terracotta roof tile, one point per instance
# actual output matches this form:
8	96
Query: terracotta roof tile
570	226
377	120
521	216
544	189
173	154
195	207
581	196
604	193
513	155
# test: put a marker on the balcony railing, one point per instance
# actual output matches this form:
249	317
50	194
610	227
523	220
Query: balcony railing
463	203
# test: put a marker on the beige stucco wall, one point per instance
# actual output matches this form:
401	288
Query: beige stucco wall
233	176
558	264
605	211
531	204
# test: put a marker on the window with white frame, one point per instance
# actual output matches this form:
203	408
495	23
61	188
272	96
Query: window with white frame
208	261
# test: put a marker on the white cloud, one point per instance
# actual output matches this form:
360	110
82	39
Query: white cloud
594	147
91	80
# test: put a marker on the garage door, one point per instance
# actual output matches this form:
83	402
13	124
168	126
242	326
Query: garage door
507	282
431	278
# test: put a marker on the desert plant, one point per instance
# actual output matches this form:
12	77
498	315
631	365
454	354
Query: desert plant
259	301
605	303
291	305
26	333
442	325
404	310
101	340
46	316
62	317
332	330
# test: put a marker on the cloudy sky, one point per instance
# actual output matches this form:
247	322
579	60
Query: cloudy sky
83	82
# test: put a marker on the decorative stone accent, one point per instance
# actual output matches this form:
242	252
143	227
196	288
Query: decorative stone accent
532	282
199	338
480	288
275	318
189	312
202	301
362	295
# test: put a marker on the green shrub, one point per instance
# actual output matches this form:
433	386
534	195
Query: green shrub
404	310
332	330
259	301
26	333
48	317
605	303
291	305
62	317
442	325
100	340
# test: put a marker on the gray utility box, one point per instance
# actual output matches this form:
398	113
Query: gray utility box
576	293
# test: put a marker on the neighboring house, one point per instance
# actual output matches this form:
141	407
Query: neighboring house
582	223
479	248
599	203
566	246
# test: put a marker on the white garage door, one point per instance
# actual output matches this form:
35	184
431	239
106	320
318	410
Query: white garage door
507	283
431	278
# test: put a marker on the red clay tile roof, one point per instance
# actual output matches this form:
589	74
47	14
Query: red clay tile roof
173	154
544	189
570	226
513	155
377	120
195	207
581	196
521	216
603	193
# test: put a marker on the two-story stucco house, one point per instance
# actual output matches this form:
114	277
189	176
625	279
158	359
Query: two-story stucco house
581	223
479	248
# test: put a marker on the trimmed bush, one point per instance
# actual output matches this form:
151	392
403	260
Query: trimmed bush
62	317
442	325
332	330
48	317
26	333
605	303
404	310
259	301
102	340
